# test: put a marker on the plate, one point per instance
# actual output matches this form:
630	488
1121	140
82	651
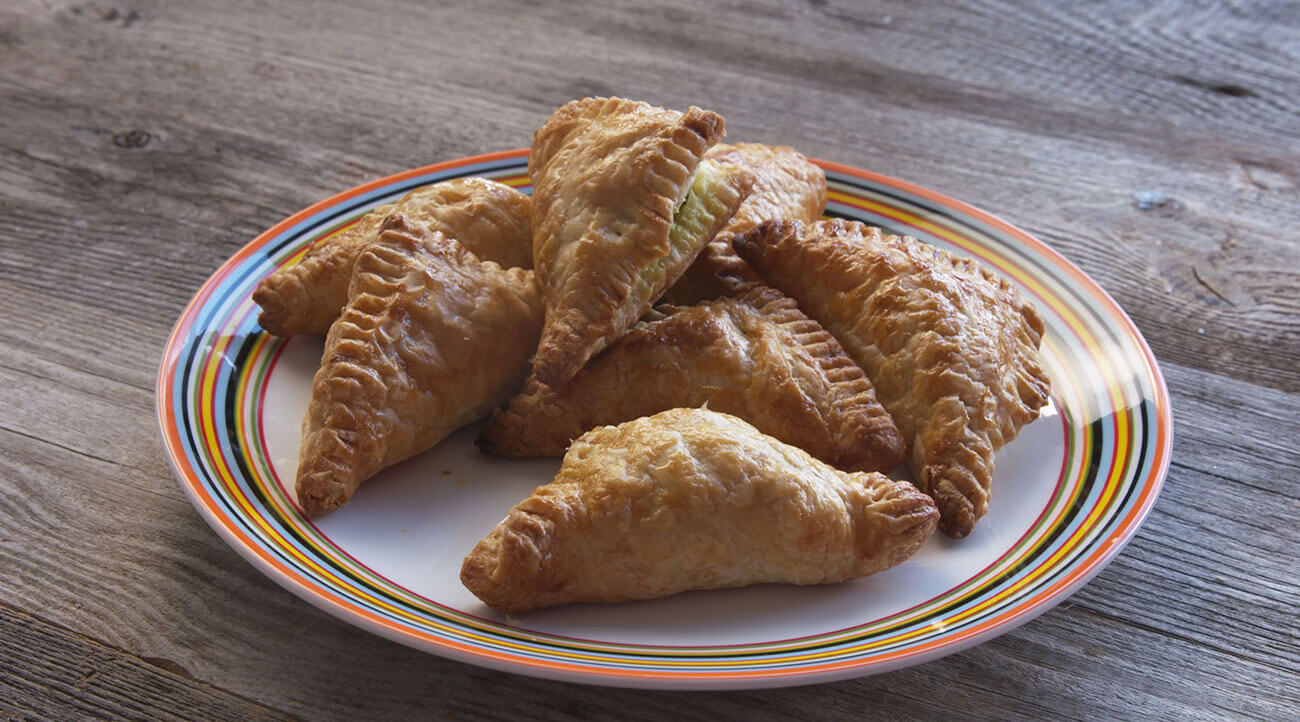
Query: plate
1068	492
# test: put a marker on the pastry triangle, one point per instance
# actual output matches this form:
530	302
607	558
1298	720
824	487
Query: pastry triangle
692	499
755	356
621	206
951	349
431	339
488	218
786	185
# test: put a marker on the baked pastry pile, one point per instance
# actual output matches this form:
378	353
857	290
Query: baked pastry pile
733	434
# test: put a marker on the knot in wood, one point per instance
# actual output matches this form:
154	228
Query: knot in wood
1155	201
134	138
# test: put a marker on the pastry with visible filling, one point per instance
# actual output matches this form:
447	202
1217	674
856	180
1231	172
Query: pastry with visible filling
951	349
432	338
786	185
692	499
622	204
755	356
489	218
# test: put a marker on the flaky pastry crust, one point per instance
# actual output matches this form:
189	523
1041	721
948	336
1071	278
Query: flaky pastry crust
609	177
755	356
489	218
431	339
786	185
692	499
951	349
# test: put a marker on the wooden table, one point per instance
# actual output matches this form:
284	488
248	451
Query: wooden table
143	142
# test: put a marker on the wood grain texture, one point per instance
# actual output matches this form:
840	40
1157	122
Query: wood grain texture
897	96
143	142
68	676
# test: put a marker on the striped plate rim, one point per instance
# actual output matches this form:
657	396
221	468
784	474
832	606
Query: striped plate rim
1112	400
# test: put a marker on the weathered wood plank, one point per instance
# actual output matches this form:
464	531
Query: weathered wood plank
51	672
1213	288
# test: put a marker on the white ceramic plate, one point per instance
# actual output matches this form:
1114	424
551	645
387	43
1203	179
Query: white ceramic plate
1068	492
